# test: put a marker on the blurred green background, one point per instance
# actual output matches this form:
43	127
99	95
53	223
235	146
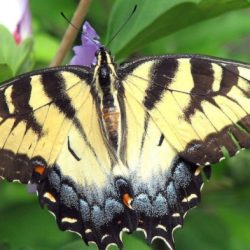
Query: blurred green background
216	28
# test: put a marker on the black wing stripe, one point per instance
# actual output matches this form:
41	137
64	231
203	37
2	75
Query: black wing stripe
203	77
4	110
15	166
124	127
55	89
245	123
195	150
247	94
21	93
162	74
229	78
146	121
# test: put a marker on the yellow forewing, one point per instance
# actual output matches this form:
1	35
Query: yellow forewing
33	124
192	102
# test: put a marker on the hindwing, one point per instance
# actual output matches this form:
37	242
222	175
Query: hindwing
165	186
180	115
51	135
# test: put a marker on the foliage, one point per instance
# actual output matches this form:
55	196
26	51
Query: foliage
218	28
14	59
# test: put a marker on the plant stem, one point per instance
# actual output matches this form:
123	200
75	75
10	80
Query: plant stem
71	33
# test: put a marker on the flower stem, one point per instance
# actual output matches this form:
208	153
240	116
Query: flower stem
71	32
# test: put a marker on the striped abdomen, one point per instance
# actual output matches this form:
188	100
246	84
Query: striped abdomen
111	119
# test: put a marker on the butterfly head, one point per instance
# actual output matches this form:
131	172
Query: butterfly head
105	68
103	56
105	76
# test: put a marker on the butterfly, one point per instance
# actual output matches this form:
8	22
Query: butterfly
116	149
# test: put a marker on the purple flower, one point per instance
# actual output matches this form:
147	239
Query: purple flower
15	15
85	53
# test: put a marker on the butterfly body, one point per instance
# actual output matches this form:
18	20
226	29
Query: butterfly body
106	81
116	149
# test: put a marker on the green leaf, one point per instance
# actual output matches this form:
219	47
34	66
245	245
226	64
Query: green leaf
24	56
78	245
49	17
7	48
43	42
239	167
219	223
135	241
17	57
96	15
5	72
157	19
229	40
25	226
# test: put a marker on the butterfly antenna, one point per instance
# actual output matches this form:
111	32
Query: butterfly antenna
67	19
118	31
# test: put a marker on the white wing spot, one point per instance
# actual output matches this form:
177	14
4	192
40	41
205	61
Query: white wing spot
50	197
69	220
88	231
176	227
104	237
190	197
197	171
122	231
176	215
161	227
16	180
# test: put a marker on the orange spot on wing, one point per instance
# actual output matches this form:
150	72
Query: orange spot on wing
127	199
39	170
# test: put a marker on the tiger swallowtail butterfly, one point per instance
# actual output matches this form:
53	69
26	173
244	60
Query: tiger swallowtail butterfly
123	148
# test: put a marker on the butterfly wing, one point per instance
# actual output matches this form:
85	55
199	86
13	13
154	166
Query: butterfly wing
36	112
180	114
79	188
51	135
164	185
199	103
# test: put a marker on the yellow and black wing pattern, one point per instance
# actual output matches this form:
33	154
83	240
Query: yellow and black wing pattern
35	117
200	104
116	149
182	113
